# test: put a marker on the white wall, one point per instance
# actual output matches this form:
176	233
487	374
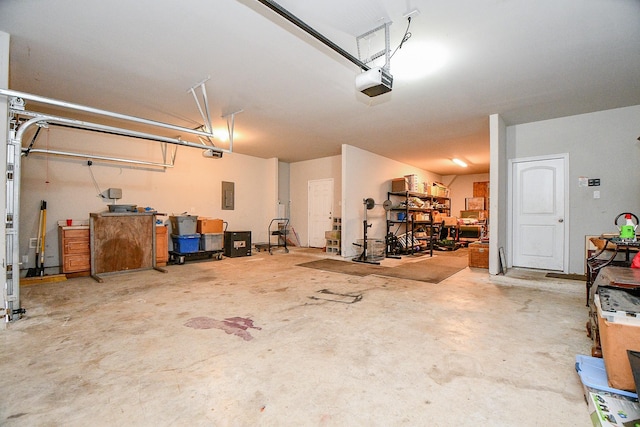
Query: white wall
368	175
461	187
600	145
303	172
284	180
193	185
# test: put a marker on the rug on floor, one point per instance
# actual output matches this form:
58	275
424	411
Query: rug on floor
431	270
345	267
581	277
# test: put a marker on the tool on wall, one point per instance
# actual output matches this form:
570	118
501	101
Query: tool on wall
628	230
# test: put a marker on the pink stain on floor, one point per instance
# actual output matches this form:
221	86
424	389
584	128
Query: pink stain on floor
231	325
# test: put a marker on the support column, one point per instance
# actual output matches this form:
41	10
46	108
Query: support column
498	176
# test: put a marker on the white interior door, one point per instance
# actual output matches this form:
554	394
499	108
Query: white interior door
320	210
538	202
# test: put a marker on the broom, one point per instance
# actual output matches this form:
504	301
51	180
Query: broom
39	269
43	210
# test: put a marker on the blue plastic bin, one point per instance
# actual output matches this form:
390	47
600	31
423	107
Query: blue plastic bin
186	244
594	376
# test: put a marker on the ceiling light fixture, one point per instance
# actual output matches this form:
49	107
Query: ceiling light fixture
421	58
459	162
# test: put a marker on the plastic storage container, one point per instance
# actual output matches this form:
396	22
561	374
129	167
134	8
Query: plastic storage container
183	224
594	376
186	244
211	241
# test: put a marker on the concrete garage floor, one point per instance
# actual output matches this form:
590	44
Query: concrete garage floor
239	342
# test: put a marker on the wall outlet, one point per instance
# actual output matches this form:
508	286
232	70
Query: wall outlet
25	259
33	242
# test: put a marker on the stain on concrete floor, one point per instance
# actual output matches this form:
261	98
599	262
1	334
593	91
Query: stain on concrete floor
232	325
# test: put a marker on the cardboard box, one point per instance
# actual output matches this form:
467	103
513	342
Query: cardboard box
399	185
618	333
439	190
479	214
209	225
332	235
450	221
479	255
611	410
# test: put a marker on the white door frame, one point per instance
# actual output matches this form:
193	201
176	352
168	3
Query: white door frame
510	233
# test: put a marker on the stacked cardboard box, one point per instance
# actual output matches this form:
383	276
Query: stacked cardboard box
209	225
479	255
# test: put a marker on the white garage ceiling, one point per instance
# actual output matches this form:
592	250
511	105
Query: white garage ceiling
525	60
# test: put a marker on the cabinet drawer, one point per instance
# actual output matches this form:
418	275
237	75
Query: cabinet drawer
82	233
76	246
75	263
75	249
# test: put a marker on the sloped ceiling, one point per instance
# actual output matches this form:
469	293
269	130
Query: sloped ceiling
525	60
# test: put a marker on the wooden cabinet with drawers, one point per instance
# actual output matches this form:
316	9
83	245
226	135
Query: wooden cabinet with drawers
75	252
75	249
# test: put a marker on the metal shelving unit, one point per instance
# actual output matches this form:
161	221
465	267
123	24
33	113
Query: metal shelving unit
411	216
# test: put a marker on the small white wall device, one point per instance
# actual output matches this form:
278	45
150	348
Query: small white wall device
212	154
374	82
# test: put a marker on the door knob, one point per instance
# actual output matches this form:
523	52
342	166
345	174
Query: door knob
561	220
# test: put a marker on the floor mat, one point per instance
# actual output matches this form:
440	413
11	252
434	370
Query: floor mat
581	277
345	267
431	270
